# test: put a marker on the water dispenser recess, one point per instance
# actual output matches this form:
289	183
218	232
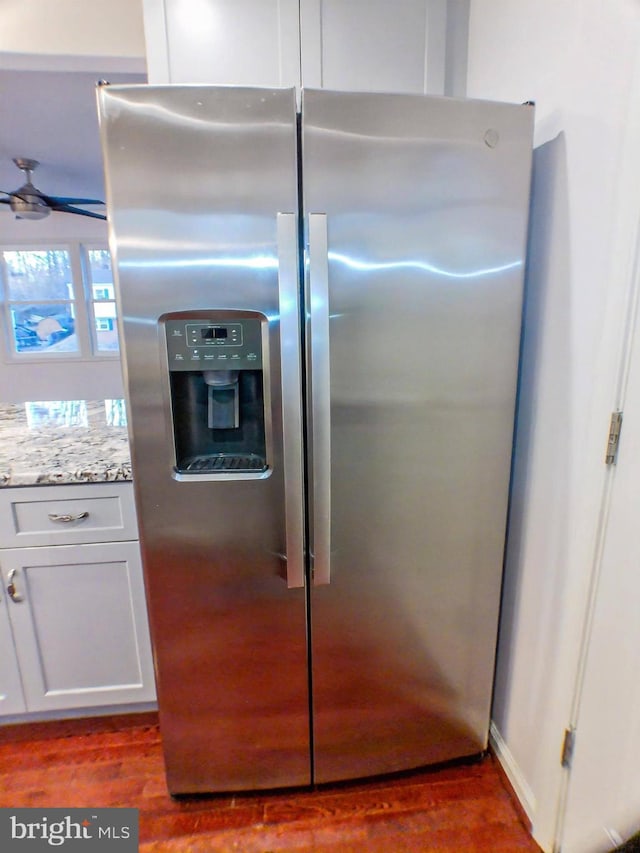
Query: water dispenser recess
217	394
223	408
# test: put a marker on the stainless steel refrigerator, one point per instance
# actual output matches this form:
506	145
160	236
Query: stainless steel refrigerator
320	321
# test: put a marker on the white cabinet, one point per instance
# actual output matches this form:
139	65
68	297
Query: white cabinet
77	629
11	696
67	515
242	42
374	45
358	45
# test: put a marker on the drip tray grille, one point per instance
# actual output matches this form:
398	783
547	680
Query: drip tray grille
223	462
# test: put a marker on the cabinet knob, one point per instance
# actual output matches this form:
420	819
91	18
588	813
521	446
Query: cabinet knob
65	519
12	591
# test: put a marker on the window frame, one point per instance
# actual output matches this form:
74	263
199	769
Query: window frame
82	305
87	246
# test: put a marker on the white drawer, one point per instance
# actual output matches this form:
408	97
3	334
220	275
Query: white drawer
66	515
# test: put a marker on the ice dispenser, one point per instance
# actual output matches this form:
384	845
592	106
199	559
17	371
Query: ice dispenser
217	393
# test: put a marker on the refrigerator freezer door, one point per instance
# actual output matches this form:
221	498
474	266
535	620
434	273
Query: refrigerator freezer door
196	177
424	201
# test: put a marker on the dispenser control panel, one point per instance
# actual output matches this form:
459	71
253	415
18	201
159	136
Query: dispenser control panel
215	335
214	345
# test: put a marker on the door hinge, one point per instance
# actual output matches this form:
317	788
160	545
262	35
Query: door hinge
568	745
615	426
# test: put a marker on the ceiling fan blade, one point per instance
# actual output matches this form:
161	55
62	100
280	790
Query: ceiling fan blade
67	208
9	196
56	199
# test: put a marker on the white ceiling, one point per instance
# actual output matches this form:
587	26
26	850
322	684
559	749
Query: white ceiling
51	116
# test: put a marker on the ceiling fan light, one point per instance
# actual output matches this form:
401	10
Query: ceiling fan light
29	206
32	214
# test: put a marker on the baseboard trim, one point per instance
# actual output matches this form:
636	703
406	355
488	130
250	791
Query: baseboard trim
44	729
521	789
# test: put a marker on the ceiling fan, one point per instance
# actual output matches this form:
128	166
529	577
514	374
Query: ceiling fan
28	202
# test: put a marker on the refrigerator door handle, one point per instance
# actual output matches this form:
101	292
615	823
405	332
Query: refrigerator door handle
320	396
290	374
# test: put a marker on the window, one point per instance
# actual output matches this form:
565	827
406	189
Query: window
103	306
59	302
40	300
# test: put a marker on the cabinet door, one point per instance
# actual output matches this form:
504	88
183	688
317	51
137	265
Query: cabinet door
414	46
11	697
411	46
236	42
79	624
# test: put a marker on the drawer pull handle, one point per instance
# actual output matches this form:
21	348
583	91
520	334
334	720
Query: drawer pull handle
12	591
65	519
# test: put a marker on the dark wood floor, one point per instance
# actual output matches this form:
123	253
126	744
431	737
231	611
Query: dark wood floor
118	762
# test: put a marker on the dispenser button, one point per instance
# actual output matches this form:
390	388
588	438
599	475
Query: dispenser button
222	355
251	356
178	356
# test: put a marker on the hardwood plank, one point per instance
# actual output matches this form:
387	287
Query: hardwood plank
118	762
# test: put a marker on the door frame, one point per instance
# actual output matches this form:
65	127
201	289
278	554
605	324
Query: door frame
621	334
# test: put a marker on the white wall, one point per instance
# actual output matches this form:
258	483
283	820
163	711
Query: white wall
576	60
74	27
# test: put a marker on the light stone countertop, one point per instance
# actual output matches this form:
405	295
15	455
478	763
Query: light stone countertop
63	442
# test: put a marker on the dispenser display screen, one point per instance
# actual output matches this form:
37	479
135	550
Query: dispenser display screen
209	334
217	333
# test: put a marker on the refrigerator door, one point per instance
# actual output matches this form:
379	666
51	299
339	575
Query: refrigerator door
202	200
416	215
